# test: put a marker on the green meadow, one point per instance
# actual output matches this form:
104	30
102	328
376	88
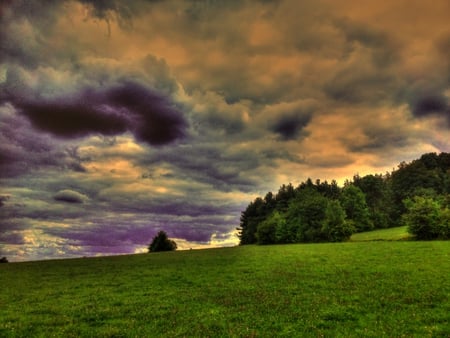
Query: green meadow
390	234
353	289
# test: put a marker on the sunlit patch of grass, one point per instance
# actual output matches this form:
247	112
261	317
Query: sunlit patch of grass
390	234
339	290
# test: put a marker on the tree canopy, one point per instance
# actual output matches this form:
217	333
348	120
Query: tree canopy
321	211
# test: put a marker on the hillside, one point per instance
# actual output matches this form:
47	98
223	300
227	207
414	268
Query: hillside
351	289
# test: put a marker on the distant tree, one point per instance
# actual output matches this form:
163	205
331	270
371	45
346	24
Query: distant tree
285	194
335	227
306	213
3	260
431	171
378	198
254	214
354	203
266	233
427	218
162	243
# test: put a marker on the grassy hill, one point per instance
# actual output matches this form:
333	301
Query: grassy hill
355	289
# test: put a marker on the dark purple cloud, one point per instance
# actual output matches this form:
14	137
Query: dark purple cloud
129	106
69	196
11	238
431	105
290	127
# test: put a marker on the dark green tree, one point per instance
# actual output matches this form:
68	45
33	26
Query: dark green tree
431	171
305	215
334	226
427	218
162	243
285	194
378	198
354	203
251	217
266	233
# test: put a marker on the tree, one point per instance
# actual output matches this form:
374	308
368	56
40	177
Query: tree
254	214
354	203
3	260
162	243
285	194
266	233
378	198
306	214
427	218
335	227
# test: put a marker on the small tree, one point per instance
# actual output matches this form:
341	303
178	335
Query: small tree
335	226
162	243
426	218
353	202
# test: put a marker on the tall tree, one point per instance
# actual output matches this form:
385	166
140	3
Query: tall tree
335	227
354	203
306	213
378	198
254	214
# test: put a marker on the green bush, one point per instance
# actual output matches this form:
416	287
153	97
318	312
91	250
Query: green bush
427	218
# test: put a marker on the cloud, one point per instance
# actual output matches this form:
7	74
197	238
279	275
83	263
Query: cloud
3	199
70	196
437	105
128	106
290	127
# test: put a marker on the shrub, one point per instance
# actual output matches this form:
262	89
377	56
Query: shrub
427	218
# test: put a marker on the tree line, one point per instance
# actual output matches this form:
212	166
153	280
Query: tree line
415	194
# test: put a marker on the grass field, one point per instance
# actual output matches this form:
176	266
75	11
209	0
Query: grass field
355	289
390	234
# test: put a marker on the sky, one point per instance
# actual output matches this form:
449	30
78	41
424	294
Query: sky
122	118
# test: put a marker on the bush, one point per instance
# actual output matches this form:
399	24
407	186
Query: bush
427	218
162	243
3	260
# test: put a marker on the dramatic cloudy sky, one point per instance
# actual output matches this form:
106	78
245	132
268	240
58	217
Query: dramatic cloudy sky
121	118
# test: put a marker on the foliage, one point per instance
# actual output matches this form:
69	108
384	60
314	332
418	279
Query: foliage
3	260
307	211
162	243
354	203
376	289
427	218
370	202
430	172
378	196
255	213
335	227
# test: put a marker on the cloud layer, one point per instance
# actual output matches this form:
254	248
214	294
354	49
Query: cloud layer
118	118
129	106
